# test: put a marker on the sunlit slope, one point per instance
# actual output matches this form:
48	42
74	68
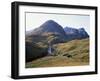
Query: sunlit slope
72	53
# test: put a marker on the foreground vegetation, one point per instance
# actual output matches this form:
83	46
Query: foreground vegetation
72	53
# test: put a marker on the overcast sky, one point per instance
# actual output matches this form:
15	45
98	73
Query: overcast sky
34	20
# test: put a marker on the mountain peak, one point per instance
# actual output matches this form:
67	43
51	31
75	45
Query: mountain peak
49	26
82	29
50	21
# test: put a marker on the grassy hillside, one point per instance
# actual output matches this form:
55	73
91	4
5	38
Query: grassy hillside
76	49
72	53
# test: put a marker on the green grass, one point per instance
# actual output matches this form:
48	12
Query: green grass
72	53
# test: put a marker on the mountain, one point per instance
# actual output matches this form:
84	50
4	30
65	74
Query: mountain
51	29
83	33
37	40
49	26
50	32
73	33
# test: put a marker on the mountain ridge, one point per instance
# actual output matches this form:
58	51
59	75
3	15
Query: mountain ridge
66	33
74	33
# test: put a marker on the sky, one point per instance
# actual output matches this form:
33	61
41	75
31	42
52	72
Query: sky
34	20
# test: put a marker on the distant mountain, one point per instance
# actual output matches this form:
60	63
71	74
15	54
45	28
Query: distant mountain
49	28
73	33
83	33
